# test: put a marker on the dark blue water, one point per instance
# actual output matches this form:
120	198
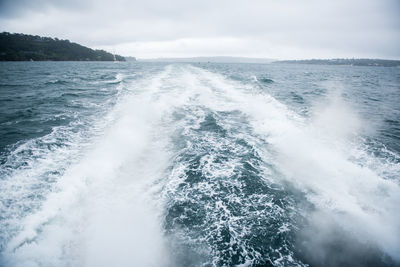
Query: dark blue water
153	164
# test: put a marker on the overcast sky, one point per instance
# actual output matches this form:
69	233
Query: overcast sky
279	29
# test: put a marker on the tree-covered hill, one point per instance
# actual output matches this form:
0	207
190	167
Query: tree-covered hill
22	47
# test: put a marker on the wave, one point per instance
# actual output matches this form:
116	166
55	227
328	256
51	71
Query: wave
190	168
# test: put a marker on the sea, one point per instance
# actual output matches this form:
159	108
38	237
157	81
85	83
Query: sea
199	164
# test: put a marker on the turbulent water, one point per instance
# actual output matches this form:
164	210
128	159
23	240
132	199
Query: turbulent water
152	164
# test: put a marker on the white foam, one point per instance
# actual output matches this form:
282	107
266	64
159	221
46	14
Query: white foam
100	213
321	157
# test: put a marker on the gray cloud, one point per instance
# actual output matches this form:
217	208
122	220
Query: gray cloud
19	8
268	28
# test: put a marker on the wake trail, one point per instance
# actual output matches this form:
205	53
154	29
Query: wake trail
193	169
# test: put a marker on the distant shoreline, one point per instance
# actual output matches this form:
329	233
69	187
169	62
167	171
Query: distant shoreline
345	62
226	60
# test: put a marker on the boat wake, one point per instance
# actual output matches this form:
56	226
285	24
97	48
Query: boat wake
190	168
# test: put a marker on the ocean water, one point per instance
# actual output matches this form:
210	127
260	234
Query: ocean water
156	164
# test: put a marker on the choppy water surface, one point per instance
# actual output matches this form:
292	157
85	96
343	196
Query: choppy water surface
149	164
